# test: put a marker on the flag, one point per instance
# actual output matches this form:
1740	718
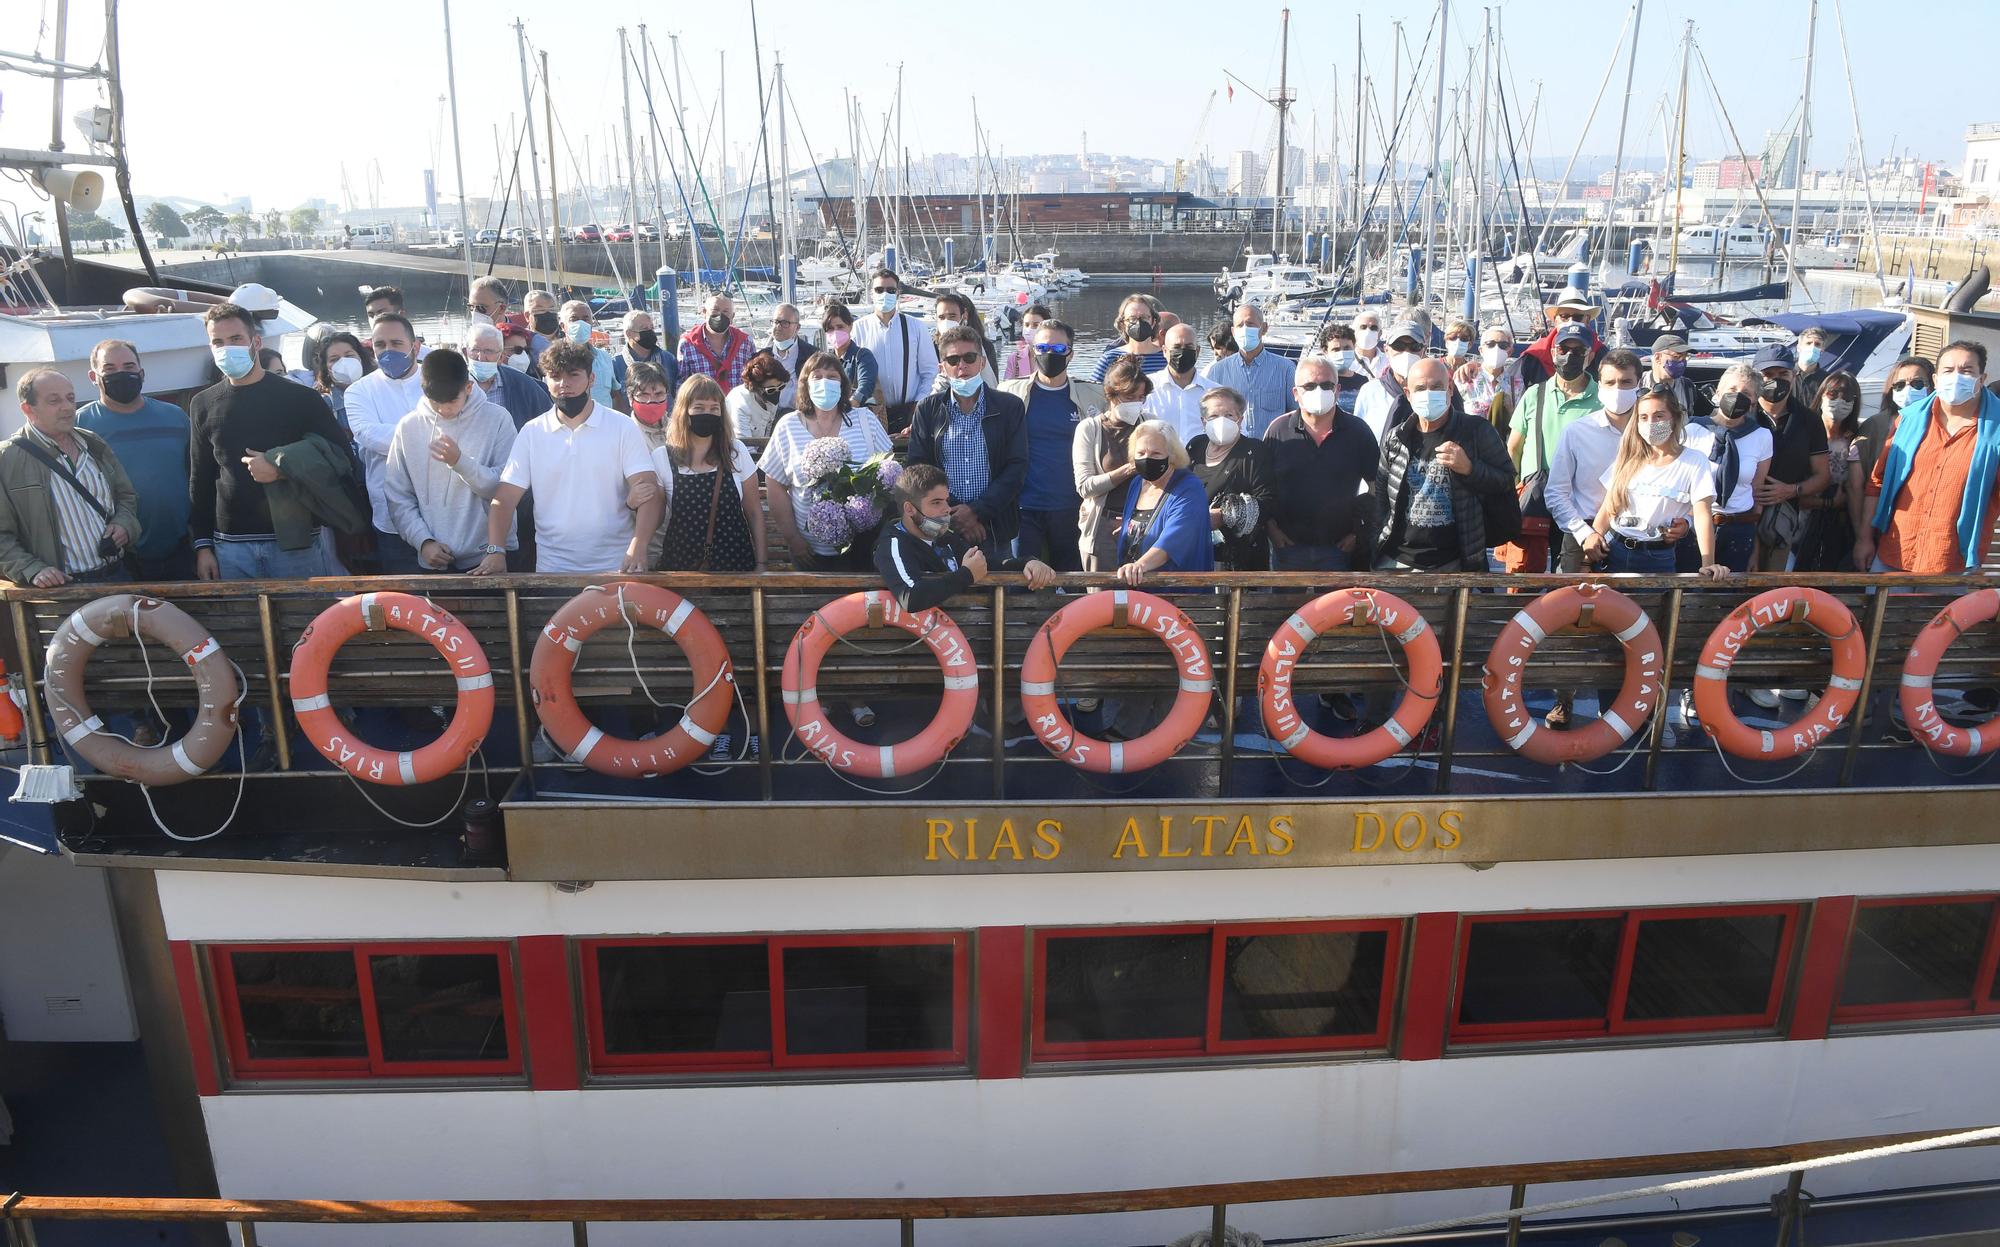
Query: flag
1232	91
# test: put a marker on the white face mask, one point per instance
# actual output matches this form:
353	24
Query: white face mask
1656	432
1494	357
519	361
1400	362
945	326
1129	413
1367	339
346	370
1837	408
1342	359
1457	348
1317	402
1222	430
1617	399
1430	406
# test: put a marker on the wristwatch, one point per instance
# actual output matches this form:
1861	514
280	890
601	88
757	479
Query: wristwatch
490	548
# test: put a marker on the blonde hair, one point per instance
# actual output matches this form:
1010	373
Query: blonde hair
1176	453
1634	453
693	390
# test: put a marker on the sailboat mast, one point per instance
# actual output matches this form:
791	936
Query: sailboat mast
1278	195
1804	137
1477	248
631	167
1680	153
555	199
788	279
1860	151
652	144
902	174
1437	147
1360	131
534	157
1618	161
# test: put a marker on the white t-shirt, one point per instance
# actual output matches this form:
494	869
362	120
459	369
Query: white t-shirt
1660	493
862	432
1752	452
578	478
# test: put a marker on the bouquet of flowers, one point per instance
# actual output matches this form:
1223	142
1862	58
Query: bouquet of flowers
843	501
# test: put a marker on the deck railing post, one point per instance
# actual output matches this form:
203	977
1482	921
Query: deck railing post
24	633
907	1235
1232	637
1878	610
248	1231
1516	1200
579	1234
1788	1206
521	727
999	725
1461	603
280	736
1659	724
765	745
1218	1225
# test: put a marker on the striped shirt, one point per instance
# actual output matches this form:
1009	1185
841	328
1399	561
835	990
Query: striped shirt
80	525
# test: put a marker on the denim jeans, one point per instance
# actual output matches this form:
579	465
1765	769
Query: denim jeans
1734	544
1052	537
396	557
263	560
1299	557
1640	562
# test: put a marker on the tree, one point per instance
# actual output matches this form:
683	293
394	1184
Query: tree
206	219
89	227
274	223
164	221
242	224
303	220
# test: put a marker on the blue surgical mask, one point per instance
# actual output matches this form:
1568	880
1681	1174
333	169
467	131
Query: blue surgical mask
1808	356
886	301
578	331
1248	337
966	387
235	361
1342	359
1430	405
824	392
396	363
483	370
1954	388
1909	393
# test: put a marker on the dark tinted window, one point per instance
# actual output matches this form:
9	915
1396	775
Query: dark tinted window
685	998
1907	953
439	1007
299	1006
1553	970
889	998
1125	988
1703	967
1302	986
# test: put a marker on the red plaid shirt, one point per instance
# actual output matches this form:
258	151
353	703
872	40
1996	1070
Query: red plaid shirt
727	368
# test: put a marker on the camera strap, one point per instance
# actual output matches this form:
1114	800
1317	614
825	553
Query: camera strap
62	469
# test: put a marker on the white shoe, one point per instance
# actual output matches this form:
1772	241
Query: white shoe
862	714
1689	718
1668	736
1765	697
1792	694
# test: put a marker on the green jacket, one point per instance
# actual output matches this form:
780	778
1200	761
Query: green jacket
318	487
30	535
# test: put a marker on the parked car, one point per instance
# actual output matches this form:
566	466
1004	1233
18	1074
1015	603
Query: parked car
487	236
649	231
619	233
454	238
587	232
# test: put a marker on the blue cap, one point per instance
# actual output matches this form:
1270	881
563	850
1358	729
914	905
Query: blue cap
1570	332
1774	357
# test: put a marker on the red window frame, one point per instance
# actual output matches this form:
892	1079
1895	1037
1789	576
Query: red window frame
777	1057
1613	1021
1210	1042
1982	1001
374	1065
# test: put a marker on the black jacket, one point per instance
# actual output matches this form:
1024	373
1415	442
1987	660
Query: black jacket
1006	424
922	574
1245	470
1492	473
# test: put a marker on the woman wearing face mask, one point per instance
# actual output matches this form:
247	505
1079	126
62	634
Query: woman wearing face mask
1910	382
1021	359
1235	472
1738	445
953	310
825	410
715	519
343	360
1654	483
753	406
857	362
1165	525
1459	335
1100	458
1828	544
1138	326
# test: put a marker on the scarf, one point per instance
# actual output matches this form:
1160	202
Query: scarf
1726	459
1911	428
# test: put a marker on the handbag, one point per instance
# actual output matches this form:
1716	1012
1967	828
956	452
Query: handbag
1782	526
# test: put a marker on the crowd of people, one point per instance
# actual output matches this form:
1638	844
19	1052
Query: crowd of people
535	443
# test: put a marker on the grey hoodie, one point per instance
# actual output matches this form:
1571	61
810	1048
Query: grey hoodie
431	501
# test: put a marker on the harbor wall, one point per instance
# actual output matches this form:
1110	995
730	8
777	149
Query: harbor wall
1941	259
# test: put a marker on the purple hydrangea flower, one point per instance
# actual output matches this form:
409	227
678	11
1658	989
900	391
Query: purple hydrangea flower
863	513
887	473
826	524
822	457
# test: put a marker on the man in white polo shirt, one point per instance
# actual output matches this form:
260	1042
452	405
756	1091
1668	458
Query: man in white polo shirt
597	498
1177	388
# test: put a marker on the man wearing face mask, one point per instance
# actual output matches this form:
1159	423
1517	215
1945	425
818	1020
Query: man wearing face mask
790	347
1812	366
1798	459
544	322
512	389
1264	378
579	323
716	347
1439	470
1322	462
1669	368
1140	326
641	346
979	437
1178	388
1572	307
1369	356
444	468
375	405
151	439
1378	399
1932	496
1550	407
1336	342
906	360
1055	404
486	301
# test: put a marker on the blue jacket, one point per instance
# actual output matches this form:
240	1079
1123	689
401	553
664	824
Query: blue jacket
1006	427
1180	526
859	365
522	395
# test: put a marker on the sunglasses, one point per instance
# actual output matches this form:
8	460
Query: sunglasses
1051	348
885	290
1319	385
965	358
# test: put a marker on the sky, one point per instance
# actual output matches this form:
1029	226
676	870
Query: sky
275	100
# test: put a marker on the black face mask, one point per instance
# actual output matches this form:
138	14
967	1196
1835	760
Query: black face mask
1775	390
122	387
1181	359
1151	469
718	324
1569	365
1140	330
573	404
1733	404
547	323
647	340
704	423
770	397
1051	365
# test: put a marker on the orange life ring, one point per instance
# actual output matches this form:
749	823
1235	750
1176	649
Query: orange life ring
1824	613
149	299
1339	609
1116	608
1587	606
372	612
581	618
877	608
13	730
1926	724
120	615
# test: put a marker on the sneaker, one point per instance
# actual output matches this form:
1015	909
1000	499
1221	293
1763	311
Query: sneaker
1792	694
863	715
1765	697
1087	705
718	751
1668	736
1689	719
755	745
543	750
1557	718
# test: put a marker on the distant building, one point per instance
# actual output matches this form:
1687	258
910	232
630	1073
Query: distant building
1246	173
1733	173
1082	210
1977	201
1780	165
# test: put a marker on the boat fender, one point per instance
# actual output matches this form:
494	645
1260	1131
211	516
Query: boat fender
1970	291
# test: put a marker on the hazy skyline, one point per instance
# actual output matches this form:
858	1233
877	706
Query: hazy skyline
291	91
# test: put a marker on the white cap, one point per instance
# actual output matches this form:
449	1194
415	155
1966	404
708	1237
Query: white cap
255	298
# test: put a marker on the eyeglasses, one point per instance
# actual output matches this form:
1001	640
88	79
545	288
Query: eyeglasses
484	309
885	290
1319	385
786	320
964	358
1051	348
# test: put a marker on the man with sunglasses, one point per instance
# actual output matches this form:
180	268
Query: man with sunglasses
1055	402
979	436
906	363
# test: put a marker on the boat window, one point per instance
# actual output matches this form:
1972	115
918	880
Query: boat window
685	998
439	1007
1919	958
298	1006
1708	967
1539	971
862	999
1233	988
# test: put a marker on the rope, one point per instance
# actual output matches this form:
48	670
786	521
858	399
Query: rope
1776	779
464	786
1960	1138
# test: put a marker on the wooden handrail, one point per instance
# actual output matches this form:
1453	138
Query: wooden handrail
1154	1199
